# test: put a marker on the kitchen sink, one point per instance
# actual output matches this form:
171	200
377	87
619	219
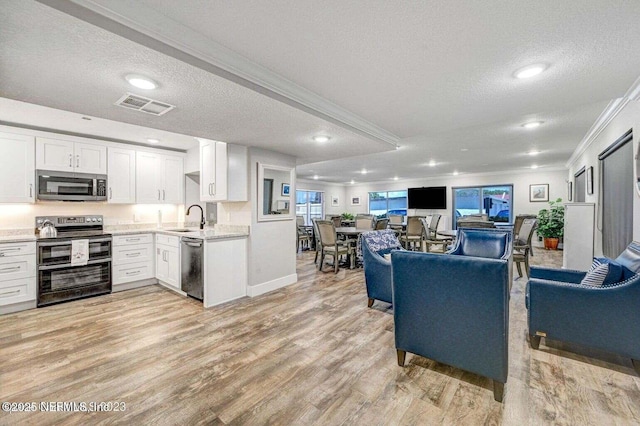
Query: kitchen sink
181	230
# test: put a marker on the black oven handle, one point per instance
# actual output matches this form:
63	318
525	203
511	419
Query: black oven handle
68	265
68	242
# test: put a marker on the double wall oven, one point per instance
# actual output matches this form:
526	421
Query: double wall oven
59	278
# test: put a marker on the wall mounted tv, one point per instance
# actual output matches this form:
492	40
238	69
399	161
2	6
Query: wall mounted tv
428	198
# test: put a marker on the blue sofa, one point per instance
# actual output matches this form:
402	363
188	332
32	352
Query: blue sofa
377	270
489	243
606	318
454	310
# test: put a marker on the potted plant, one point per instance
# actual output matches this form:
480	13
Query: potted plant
551	224
347	216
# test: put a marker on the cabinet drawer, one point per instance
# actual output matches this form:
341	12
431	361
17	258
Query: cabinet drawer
124	240
17	267
168	240
132	254
17	291
132	272
17	249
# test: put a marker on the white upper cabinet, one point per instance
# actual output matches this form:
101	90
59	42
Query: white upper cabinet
17	171
159	178
66	156
172	179
223	172
121	176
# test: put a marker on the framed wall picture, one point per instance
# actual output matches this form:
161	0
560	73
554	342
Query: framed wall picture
590	180
570	191
355	200
286	189
335	201
539	192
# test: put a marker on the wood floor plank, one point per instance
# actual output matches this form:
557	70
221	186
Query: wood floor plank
311	353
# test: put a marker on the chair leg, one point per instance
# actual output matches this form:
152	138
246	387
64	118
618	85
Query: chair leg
321	261
315	260
519	269
401	355
527	270
636	365
335	263
370	303
534	341
498	390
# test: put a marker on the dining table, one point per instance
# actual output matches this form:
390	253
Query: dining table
351	231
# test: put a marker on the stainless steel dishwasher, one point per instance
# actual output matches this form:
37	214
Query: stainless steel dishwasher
192	253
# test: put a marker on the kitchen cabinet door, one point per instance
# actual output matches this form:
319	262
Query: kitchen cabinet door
162	266
54	154
148	178
207	170
220	183
173	266
172	179
17	168
90	158
121	176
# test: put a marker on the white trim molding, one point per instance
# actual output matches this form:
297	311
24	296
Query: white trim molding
610	112
145	26
266	287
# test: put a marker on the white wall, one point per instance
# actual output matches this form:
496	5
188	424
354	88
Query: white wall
330	190
14	216
272	245
627	118
520	181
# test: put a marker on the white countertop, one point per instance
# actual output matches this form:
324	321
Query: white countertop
19	238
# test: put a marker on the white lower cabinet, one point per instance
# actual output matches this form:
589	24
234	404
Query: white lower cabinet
17	274
168	260
132	258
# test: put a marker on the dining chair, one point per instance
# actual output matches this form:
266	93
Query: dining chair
396	219
432	239
413	234
364	221
517	224
337	221
474	223
316	234
522	245
330	244
381	224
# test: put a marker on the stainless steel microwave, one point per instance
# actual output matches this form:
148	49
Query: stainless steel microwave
66	186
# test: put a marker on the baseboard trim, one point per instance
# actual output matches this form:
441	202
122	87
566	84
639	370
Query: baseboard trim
135	284
17	307
266	287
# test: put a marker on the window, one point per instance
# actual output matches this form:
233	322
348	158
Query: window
494	201
309	204
384	203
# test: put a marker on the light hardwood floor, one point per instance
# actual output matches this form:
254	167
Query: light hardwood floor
312	353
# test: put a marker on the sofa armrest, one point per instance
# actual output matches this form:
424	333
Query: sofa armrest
563	275
601	317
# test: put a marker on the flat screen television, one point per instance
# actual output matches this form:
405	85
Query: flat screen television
428	198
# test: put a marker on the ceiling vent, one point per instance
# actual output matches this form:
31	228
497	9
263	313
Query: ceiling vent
140	103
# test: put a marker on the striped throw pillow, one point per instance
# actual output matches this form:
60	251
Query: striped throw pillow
596	275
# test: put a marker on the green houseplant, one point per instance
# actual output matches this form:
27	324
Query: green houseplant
347	216
551	224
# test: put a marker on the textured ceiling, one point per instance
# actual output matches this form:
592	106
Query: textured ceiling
438	74
52	59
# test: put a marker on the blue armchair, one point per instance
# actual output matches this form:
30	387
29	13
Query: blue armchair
455	310
488	243
377	270
606	318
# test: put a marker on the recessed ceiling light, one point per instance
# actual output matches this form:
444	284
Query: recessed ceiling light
397	146
533	153
153	140
432	163
530	71
315	177
535	166
321	138
455	173
352	181
395	178
464	149
141	82
532	124
363	171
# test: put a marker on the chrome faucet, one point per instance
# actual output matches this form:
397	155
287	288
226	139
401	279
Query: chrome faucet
201	214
